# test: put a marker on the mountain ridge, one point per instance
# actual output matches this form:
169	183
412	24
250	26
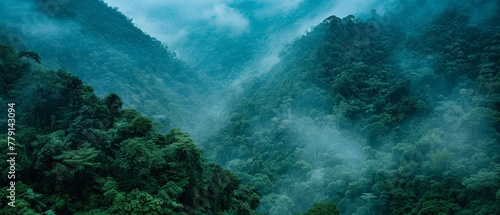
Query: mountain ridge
392	111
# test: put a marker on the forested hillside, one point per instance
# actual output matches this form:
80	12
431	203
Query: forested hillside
397	113
390	111
101	46
81	154
223	54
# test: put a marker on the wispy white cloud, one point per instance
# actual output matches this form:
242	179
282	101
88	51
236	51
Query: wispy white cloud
171	20
273	7
224	16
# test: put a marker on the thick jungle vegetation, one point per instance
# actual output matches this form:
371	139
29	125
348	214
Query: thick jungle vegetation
395	113
105	49
81	154
389	111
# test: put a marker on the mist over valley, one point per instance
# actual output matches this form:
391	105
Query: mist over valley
252	107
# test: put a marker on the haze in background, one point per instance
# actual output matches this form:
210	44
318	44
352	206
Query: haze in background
170	21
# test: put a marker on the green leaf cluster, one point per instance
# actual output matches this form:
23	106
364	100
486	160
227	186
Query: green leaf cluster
81	154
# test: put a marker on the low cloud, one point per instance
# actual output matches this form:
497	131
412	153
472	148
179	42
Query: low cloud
169	21
273	7
224	16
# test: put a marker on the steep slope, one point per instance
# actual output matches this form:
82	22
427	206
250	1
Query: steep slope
81	154
231	56
398	113
102	47
224	53
394	113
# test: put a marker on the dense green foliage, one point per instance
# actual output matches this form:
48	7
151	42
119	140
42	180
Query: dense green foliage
11	68
105	49
323	209
397	113
80	154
